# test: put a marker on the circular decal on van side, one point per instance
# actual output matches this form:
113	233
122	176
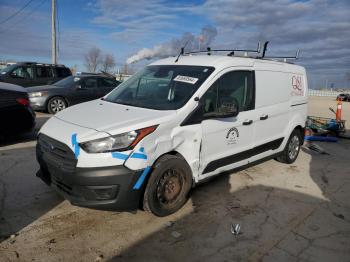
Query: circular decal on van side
232	136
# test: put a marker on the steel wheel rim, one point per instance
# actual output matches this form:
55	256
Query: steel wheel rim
170	187
293	147
57	105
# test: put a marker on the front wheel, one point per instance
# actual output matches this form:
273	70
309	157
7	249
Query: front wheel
168	186
291	151
56	104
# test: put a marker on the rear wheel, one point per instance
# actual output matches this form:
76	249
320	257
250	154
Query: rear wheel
168	187
291	151
56	104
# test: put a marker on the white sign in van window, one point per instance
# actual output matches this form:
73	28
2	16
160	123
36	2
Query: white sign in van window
186	79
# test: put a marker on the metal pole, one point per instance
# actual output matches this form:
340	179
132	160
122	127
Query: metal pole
53	24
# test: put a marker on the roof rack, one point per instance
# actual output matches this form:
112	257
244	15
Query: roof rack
231	51
246	51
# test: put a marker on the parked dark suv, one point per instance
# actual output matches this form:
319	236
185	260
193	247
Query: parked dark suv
33	74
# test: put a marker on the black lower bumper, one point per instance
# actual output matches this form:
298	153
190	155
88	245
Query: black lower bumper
106	188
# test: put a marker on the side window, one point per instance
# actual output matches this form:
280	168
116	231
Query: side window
235	86
106	82
24	72
44	72
89	82
62	72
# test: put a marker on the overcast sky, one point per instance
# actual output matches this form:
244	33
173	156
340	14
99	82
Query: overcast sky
320	28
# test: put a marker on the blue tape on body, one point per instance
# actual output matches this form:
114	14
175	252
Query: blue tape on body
141	179
139	155
120	155
75	145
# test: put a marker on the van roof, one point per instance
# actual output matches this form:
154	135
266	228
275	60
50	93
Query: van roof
220	61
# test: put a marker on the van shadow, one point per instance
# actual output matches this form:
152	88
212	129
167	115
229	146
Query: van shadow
23	197
297	212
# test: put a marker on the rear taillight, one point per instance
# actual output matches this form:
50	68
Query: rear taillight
23	101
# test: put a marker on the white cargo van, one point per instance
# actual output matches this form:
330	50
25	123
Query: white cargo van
171	126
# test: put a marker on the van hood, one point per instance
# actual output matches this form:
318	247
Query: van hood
113	118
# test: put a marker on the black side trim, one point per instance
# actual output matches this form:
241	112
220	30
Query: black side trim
212	166
300	104
237	169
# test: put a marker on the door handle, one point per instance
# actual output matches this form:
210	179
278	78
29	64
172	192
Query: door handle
247	122
264	117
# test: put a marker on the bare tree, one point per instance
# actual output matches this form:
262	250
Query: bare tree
93	59
108	63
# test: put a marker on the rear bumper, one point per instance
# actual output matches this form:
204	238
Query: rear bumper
38	103
106	188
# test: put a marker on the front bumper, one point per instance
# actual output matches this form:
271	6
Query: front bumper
107	188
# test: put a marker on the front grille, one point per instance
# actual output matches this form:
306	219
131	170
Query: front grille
57	154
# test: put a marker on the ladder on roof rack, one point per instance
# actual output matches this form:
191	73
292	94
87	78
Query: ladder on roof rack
231	51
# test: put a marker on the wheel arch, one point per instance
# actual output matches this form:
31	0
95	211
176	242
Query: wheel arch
173	153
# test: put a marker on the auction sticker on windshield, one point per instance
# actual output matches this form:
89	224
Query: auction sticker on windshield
186	79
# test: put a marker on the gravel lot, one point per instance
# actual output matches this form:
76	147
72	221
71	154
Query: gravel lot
298	212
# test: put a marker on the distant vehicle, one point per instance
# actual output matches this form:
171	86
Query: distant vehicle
70	91
16	115
33	74
344	97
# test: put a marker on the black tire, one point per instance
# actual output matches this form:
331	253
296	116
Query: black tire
56	104
168	186
291	151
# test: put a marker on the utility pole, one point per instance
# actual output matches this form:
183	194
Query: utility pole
53	37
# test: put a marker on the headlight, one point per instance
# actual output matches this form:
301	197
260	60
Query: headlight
121	142
37	94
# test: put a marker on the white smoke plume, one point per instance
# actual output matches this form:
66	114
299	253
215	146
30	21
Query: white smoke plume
171	48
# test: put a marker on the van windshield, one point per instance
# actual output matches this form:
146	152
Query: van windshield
160	87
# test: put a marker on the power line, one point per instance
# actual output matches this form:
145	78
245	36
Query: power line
27	16
16	13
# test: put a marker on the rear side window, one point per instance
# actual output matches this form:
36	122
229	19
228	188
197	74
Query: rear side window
235	86
62	72
107	82
89	82
25	72
44	72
